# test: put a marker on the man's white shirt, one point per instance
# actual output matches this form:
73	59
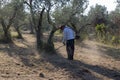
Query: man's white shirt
68	34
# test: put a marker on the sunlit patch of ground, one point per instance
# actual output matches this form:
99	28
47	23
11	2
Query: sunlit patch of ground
92	61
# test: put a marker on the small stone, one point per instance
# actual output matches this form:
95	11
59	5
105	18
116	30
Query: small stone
41	75
7	73
17	64
51	79
22	65
32	65
34	71
18	74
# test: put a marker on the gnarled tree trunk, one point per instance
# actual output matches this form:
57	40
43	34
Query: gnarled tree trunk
7	35
39	31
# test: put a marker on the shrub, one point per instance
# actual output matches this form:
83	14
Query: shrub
115	40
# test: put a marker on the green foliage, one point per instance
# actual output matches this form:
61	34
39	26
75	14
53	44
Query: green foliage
105	37
101	32
83	36
97	15
115	40
100	28
70	12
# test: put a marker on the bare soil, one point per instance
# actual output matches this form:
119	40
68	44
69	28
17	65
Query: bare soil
92	61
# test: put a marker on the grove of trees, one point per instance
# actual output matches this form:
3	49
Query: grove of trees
40	16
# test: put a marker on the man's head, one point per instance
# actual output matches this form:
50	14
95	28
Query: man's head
62	27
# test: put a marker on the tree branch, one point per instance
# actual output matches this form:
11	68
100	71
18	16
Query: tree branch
40	18
12	18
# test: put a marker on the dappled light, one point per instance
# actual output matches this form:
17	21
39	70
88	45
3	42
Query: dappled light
59	40
92	61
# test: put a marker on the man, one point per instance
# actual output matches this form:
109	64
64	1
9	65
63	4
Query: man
68	40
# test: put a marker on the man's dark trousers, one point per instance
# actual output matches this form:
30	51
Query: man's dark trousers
70	49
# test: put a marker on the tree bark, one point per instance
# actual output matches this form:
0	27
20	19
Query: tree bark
19	33
50	39
39	31
38	40
7	35
31	27
6	27
38	26
32	18
50	45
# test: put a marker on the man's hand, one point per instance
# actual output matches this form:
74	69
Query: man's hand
64	43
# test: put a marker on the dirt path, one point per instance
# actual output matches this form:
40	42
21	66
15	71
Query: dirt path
98	58
92	61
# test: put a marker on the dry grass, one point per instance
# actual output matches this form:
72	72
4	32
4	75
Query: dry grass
92	61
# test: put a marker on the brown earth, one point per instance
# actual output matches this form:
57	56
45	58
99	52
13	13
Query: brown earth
92	61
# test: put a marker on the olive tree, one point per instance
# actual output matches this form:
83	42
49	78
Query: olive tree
20	17
72	14
37	8
8	13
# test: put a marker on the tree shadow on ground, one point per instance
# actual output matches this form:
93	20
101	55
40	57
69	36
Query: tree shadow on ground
23	53
112	52
77	69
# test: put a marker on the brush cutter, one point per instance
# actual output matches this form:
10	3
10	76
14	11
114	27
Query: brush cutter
59	47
